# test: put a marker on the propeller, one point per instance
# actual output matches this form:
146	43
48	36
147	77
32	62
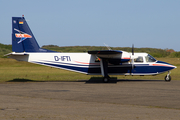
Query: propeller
132	57
132	49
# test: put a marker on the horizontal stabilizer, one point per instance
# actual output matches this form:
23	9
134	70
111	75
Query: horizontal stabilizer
16	54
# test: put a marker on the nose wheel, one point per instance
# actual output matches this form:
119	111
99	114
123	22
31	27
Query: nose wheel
168	77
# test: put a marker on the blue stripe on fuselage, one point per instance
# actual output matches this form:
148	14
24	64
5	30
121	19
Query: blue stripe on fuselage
143	69
151	69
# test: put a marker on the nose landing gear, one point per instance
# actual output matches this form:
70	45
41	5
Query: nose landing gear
168	77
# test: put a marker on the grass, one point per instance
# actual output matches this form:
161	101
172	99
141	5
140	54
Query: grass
12	70
15	71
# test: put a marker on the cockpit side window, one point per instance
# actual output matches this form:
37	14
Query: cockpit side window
149	58
139	59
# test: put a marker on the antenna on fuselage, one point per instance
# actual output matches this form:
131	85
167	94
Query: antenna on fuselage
107	47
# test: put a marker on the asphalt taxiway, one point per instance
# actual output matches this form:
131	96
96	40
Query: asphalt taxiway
91	100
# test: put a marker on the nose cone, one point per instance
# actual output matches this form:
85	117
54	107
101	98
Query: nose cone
165	65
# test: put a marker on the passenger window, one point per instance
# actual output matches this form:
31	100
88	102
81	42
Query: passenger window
139	59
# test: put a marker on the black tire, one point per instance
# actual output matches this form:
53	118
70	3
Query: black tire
167	79
106	79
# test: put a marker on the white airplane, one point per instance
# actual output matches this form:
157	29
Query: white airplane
100	62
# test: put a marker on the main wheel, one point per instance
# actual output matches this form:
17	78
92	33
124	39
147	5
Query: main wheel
106	79
167	78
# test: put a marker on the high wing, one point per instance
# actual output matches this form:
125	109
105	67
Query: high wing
110	56
106	53
114	56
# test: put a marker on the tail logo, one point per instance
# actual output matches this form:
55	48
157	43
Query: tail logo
21	35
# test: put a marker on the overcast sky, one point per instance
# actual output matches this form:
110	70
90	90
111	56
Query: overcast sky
117	23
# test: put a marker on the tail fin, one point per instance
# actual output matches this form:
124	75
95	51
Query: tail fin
22	38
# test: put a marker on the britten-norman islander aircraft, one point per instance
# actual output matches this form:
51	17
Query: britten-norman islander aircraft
100	62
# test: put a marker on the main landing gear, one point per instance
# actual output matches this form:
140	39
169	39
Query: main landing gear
106	79
168	77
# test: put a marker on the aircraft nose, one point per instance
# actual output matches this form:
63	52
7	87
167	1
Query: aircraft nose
175	67
167	65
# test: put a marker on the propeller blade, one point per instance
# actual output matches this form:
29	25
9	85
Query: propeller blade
132	49
132	60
